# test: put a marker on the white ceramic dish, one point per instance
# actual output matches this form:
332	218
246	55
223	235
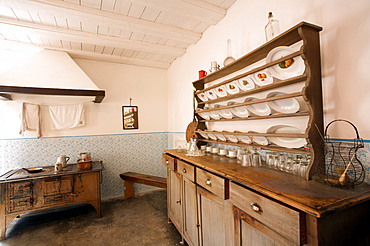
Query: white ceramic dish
214	114
262	78
204	135
244	139
286	141
284	70
260	109
241	111
221	91
220	137
211	94
212	136
202	96
232	88
230	137
246	83
287	106
224	113
204	115
261	140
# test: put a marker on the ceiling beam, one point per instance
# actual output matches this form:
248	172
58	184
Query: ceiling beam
91	38
118	21
101	57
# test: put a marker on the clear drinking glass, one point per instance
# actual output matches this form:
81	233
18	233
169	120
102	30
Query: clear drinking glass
270	159
289	164
256	158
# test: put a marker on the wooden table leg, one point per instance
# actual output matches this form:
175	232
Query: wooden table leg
130	190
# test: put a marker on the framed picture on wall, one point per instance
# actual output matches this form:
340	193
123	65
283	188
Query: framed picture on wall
130	117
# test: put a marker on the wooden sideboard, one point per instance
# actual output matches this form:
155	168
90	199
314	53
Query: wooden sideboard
22	192
213	200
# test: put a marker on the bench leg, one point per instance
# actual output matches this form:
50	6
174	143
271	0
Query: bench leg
130	190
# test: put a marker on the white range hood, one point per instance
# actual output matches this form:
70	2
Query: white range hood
49	73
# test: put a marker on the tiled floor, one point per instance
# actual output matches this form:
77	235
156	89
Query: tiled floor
138	221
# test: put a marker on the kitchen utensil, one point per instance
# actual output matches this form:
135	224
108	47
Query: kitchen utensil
63	160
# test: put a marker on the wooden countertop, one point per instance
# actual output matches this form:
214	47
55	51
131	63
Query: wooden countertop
310	196
48	171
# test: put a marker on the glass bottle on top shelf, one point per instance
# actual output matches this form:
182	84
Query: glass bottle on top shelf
229	59
272	28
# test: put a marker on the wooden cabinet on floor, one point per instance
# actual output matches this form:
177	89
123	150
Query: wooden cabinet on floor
22	192
226	204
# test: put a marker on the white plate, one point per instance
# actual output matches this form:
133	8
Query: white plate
285	141
246	83
244	139
224	113
204	135
262	78
212	136
204	115
295	69
231	137
220	137
260	109
287	106
221	91
241	111
211	94
202	96
215	114
261	140
232	87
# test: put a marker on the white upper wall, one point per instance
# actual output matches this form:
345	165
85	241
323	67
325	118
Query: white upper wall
146	87
344	54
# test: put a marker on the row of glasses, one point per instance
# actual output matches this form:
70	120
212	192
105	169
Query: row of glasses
295	164
250	157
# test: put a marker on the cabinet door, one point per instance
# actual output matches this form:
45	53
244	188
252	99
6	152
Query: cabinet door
212	219
87	187
251	232
191	223
174	194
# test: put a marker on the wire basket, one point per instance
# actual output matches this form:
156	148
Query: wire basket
340	165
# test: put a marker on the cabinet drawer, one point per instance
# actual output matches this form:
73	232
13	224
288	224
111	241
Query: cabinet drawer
186	170
20	189
211	182
280	218
169	161
19	204
61	198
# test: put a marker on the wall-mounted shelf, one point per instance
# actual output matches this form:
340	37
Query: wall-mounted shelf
8	90
305	35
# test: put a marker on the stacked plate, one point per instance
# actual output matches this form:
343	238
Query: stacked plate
241	111
287	142
287	106
260	109
224	113
261	140
246	83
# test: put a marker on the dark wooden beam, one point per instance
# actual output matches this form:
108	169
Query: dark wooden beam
98	94
5	97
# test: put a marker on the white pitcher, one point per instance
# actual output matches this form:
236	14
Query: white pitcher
63	160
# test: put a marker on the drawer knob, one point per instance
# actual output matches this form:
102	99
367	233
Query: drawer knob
179	201
167	162
256	208
184	170
208	182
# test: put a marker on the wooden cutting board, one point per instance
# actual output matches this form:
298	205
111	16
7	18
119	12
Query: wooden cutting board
190	130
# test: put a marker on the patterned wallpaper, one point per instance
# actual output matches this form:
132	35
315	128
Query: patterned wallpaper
120	153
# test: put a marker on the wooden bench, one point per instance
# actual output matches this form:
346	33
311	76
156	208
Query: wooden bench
129	178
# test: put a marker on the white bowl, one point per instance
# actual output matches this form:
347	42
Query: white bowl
287	142
246	83
211	94
204	115
204	135
241	111
287	106
215	114
221	91
224	113
230	137
232	87
202	96
260	109
261	140
244	139
279	70
212	136
262	78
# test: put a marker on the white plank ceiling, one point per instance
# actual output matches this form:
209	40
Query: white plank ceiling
150	33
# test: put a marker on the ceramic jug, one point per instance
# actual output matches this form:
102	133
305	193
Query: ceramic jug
63	160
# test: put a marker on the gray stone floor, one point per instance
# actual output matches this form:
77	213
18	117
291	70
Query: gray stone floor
137	221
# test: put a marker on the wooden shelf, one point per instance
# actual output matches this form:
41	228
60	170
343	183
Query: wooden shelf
98	94
307	36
